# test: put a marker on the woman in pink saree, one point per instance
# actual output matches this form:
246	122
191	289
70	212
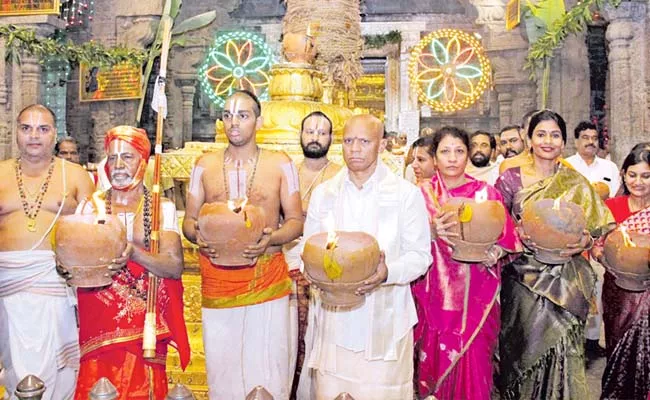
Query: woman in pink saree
458	312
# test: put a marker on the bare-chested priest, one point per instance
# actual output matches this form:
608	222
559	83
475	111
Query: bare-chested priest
315	141
246	309
38	331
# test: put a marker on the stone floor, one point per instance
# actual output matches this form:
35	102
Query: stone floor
594	373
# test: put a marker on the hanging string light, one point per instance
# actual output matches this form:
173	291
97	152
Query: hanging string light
77	14
56	71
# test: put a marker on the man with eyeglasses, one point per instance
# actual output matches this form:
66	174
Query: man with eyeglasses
38	330
604	176
587	162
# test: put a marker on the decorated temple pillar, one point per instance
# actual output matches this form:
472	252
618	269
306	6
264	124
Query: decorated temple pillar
627	46
409	115
31	80
187	83
504	97
25	79
392	91
5	133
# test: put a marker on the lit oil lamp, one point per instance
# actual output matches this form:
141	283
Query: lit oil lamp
337	262
86	244
551	225
230	227
627	256
479	225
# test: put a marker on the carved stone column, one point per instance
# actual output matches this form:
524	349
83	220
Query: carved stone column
186	81
409	116
626	23
25	79
5	132
504	97
31	76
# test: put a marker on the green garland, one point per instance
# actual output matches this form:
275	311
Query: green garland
379	41
574	21
19	39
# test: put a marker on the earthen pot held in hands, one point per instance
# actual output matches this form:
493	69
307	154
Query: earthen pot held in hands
628	258
552	225
478	225
339	270
86	248
231	232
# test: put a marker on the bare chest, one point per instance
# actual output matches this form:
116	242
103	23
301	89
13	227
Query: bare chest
259	186
33	194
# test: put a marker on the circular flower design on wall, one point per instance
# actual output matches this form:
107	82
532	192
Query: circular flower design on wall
449	70
236	60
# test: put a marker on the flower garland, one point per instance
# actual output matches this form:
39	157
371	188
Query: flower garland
19	39
379	41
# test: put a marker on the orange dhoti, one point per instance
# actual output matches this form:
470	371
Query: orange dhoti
246	326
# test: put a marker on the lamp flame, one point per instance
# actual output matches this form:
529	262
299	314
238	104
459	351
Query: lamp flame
481	196
98	199
627	240
332	237
237	205
556	204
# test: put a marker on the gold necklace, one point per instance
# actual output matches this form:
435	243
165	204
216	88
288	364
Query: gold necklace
31	210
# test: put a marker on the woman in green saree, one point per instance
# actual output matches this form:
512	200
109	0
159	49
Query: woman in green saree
544	306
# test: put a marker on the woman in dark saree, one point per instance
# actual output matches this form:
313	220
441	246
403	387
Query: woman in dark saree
544	306
626	313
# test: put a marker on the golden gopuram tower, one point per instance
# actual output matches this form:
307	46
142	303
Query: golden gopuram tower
296	89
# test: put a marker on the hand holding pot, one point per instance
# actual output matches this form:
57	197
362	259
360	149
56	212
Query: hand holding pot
375	279
440	226
256	250
576	248
120	262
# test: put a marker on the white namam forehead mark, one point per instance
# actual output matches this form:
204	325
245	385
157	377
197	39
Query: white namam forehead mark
236	103
119	147
195	180
34	118
291	173
317	122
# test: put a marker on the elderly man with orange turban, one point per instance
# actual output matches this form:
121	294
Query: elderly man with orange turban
111	319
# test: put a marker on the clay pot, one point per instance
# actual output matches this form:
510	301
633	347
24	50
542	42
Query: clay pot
630	265
602	189
482	227
298	48
340	270
86	248
553	229
229	232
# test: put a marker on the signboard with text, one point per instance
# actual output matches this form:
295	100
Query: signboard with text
120	82
28	7
513	14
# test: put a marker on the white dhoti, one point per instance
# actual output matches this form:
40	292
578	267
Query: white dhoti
246	347
38	329
331	369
